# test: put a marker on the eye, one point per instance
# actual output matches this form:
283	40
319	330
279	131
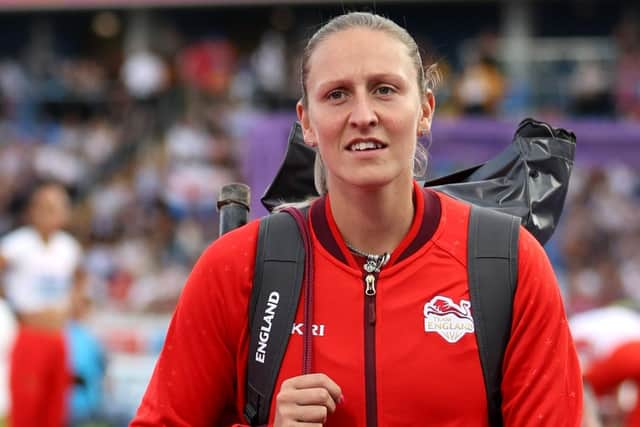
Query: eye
336	95
385	90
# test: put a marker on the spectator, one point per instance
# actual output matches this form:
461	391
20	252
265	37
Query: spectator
608	341
87	364
7	333
42	265
481	87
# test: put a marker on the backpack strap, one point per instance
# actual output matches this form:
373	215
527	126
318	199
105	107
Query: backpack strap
275	296
492	275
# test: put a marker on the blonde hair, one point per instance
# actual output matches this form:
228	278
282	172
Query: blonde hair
426	79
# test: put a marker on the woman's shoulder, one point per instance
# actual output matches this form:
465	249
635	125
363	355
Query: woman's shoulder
18	242
20	234
453	212
453	234
530	249
452	231
231	245
451	202
536	278
65	241
224	270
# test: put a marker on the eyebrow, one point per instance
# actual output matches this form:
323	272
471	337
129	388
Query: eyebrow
341	82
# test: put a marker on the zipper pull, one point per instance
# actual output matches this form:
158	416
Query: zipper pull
370	283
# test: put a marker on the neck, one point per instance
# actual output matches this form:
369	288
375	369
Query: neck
45	235
373	221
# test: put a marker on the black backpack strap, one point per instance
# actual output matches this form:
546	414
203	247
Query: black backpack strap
492	274
275	296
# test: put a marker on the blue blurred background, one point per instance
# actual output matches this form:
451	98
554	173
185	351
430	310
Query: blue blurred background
146	108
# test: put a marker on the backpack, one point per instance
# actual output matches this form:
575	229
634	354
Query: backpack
283	259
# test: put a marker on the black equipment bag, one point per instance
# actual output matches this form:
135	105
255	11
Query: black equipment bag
529	179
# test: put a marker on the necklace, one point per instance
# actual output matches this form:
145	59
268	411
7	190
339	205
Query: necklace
378	260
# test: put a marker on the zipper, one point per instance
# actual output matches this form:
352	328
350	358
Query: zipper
370	277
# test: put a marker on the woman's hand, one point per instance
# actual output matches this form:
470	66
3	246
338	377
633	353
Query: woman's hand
306	400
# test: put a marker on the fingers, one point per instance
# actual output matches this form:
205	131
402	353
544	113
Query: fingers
315	381
318	396
301	414
306	400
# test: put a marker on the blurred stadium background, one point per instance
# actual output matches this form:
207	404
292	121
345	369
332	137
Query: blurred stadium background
145	108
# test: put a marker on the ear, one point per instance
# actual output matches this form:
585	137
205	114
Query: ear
428	108
307	132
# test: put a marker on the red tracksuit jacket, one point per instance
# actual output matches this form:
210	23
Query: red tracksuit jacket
423	366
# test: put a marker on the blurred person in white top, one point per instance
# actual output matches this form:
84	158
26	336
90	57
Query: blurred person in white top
41	265
7	332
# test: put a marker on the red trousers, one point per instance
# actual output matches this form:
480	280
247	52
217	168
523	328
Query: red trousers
39	379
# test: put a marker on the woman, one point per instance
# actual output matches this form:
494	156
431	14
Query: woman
365	101
42	270
608	343
7	333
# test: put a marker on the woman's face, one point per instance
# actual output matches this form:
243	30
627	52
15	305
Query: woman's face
364	108
50	209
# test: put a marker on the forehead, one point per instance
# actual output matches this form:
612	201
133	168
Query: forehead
359	51
50	194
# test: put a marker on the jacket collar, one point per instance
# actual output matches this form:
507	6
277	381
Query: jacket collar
425	222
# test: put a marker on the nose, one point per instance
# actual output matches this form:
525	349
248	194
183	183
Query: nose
363	114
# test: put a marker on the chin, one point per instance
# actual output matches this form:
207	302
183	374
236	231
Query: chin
370	181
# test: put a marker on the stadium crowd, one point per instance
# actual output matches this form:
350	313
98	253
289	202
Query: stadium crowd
145	134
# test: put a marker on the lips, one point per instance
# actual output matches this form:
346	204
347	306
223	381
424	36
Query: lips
362	144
